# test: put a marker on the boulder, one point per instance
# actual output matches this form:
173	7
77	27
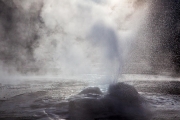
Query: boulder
122	101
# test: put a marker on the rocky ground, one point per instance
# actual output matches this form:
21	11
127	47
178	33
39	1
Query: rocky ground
50	100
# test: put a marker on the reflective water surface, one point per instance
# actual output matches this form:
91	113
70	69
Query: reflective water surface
50	100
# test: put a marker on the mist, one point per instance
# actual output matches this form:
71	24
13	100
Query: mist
58	57
58	37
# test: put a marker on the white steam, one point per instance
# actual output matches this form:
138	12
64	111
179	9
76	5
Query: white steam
86	36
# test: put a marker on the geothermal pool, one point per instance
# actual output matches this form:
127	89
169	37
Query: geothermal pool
46	100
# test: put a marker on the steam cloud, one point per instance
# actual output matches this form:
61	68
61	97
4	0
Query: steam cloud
68	37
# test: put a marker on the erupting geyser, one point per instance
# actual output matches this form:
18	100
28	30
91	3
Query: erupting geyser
69	39
75	38
63	46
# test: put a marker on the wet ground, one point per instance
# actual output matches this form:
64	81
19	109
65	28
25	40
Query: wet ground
37	100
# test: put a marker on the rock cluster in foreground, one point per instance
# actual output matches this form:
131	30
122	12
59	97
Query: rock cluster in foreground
121	102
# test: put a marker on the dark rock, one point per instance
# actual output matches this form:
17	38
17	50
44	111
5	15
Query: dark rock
125	92
121	102
91	90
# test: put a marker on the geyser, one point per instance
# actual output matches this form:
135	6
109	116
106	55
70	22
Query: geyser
69	38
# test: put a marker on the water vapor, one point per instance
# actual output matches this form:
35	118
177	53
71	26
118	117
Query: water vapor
59	37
